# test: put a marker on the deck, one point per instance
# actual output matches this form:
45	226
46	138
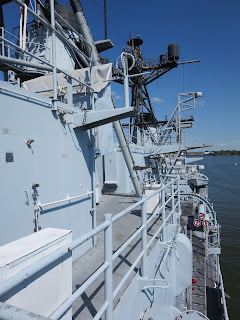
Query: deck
92	299
204	270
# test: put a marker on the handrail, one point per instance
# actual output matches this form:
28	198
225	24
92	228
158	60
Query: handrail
63	200
158	231
163	187
77	33
223	297
145	245
46	65
137	204
126	211
210	208
145	137
109	256
5	31
222	290
101	310
155	214
20	277
197	312
68	303
197	175
126	243
133	266
45	62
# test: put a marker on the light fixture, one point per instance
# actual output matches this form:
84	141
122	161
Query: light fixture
198	94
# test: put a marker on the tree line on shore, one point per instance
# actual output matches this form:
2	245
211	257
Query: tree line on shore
223	153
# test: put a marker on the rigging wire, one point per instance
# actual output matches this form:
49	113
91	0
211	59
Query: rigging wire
190	80
111	24
183	77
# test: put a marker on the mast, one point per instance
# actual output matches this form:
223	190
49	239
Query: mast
84	29
105	19
144	72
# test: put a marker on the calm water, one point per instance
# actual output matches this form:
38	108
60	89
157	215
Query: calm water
224	192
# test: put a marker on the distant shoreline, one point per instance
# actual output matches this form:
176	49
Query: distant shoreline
223	153
215	153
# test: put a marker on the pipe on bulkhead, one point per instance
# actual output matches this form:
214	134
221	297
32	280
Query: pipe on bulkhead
25	63
128	159
72	44
84	29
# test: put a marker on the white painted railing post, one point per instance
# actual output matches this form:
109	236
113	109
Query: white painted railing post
91	79
124	60
178	195
144	236
69	91
173	203
108	276
163	215
54	55
3	43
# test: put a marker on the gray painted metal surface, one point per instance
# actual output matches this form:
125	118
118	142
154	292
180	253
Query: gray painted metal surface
69	174
8	312
50	150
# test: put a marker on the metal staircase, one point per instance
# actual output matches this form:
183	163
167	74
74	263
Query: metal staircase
152	137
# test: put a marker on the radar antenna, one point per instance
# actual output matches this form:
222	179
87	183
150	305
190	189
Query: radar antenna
144	72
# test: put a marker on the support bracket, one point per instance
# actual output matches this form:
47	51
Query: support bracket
91	119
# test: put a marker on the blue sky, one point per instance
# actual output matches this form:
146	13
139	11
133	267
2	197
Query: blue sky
205	30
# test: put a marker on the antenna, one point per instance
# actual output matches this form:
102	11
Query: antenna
144	72
105	19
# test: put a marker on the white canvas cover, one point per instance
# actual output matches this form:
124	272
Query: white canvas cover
101	74
102	89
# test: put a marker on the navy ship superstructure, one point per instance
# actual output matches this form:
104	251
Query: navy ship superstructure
101	218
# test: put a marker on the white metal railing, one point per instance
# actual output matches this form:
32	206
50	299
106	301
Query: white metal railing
136	135
146	136
10	48
200	314
220	281
109	256
197	175
13	48
67	199
10	44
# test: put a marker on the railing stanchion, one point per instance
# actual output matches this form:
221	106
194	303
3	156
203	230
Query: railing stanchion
173	204
144	237
163	215
54	55
108	276
178	195
3	35
69	91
